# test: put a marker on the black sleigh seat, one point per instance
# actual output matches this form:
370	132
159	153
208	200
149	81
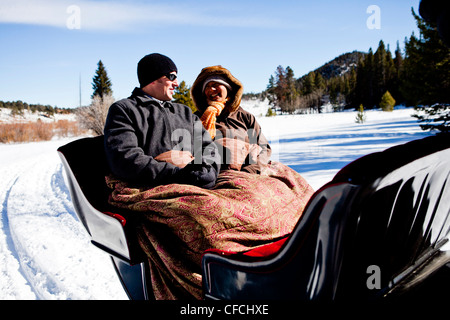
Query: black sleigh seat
378	228
110	229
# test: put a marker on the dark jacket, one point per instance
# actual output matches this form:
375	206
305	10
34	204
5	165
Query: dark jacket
140	128
241	124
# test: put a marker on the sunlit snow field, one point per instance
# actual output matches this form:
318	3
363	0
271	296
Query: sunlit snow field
46	254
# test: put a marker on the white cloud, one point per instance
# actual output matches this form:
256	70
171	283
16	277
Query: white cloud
33	12
90	14
114	15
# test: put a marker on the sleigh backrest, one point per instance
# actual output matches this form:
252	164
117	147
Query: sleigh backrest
386	211
86	167
400	218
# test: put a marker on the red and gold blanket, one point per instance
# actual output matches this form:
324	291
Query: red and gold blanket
180	222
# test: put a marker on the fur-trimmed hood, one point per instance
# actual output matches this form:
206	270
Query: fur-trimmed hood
235	95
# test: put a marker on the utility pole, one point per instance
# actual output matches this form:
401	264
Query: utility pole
80	88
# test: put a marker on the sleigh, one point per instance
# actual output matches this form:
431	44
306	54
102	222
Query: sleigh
379	229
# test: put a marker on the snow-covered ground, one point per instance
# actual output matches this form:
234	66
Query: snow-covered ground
46	254
44	251
6	116
318	145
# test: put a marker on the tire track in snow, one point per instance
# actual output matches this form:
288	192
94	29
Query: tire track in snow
59	188
18	214
48	245
14	284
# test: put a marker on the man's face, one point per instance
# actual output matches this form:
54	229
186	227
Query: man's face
163	88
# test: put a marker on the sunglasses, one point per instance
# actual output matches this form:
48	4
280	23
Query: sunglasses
171	76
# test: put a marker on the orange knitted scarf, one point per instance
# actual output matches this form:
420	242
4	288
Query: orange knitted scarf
210	115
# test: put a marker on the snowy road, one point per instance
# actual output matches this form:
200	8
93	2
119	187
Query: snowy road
44	251
46	254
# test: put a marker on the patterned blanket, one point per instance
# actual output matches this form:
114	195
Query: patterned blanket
179	222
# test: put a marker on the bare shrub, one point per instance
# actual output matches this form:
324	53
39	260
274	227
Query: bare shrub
66	128
62	128
6	134
38	131
41	131
93	117
26	132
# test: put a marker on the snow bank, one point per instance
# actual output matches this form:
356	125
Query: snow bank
44	251
46	254
28	116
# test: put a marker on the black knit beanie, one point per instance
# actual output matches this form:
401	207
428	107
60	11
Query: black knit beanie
154	66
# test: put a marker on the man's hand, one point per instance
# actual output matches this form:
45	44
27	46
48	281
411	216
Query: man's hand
176	157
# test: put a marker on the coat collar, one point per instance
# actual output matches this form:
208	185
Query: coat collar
145	98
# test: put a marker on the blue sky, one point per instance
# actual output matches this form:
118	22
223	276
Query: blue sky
47	46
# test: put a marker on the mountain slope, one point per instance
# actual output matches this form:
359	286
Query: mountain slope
339	65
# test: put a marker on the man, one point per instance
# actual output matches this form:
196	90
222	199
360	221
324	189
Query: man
151	141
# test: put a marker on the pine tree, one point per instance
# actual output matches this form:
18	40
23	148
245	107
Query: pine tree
281	89
379	81
376	73
333	91
319	83
391	73
394	85
360	115
290	90
270	91
387	102
350	88
309	83
93	117
183	95
426	67
398	60
435	117
364	87
101	83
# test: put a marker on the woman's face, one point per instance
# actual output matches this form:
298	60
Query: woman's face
215	92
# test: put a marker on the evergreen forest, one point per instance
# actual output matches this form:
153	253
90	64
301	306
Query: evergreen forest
419	76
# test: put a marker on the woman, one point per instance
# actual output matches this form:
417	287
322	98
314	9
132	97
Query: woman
217	95
244	210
